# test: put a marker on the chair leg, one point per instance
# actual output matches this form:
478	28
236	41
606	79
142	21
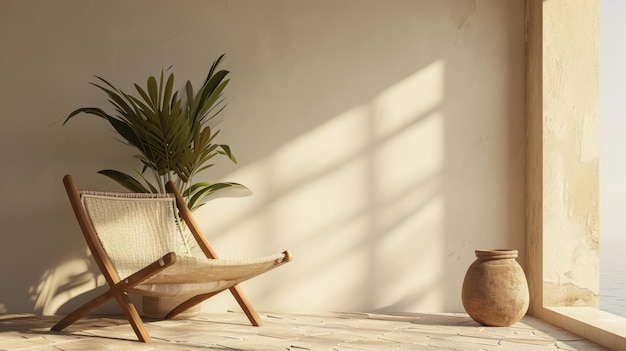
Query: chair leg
243	302
83	310
133	317
117	290
246	306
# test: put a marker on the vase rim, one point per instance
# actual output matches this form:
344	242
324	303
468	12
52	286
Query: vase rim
496	253
496	250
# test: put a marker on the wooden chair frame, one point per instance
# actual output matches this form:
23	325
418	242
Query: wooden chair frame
118	288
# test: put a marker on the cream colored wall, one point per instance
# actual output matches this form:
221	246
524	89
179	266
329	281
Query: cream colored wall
383	141
563	170
571	154
563	154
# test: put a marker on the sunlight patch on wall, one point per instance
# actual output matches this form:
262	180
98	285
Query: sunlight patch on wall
325	202
62	284
357	199
321	150
408	253
411	156
410	208
407	101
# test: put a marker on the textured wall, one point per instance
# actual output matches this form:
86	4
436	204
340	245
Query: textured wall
571	153
563	150
383	141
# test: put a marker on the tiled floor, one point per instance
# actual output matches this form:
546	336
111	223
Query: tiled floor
295	332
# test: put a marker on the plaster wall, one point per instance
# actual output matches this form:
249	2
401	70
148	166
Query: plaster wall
562	169
562	154
570	153
383	141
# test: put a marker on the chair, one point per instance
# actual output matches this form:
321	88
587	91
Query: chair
138	243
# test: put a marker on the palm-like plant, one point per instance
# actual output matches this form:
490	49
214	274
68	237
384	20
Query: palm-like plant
171	131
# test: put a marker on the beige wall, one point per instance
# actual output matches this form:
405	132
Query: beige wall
563	154
570	154
383	141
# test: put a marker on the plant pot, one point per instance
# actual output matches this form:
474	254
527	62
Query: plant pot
158	307
495	290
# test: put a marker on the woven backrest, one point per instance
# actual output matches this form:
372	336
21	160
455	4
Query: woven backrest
135	229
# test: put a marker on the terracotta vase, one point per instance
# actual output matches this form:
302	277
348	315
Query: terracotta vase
495	290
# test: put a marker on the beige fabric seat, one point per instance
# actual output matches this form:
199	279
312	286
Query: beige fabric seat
142	246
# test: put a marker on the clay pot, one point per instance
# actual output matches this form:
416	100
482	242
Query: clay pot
495	290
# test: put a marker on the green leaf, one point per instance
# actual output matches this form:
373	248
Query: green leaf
226	151
189	91
214	67
204	191
125	131
168	93
143	94
89	110
152	91
208	103
115	94
153	189
125	180
208	191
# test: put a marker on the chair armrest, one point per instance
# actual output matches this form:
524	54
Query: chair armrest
146	272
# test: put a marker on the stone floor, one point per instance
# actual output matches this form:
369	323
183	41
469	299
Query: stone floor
294	332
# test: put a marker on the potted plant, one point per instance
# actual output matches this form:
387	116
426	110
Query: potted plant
172	132
174	135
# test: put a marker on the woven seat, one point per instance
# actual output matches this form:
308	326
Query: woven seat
141	246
